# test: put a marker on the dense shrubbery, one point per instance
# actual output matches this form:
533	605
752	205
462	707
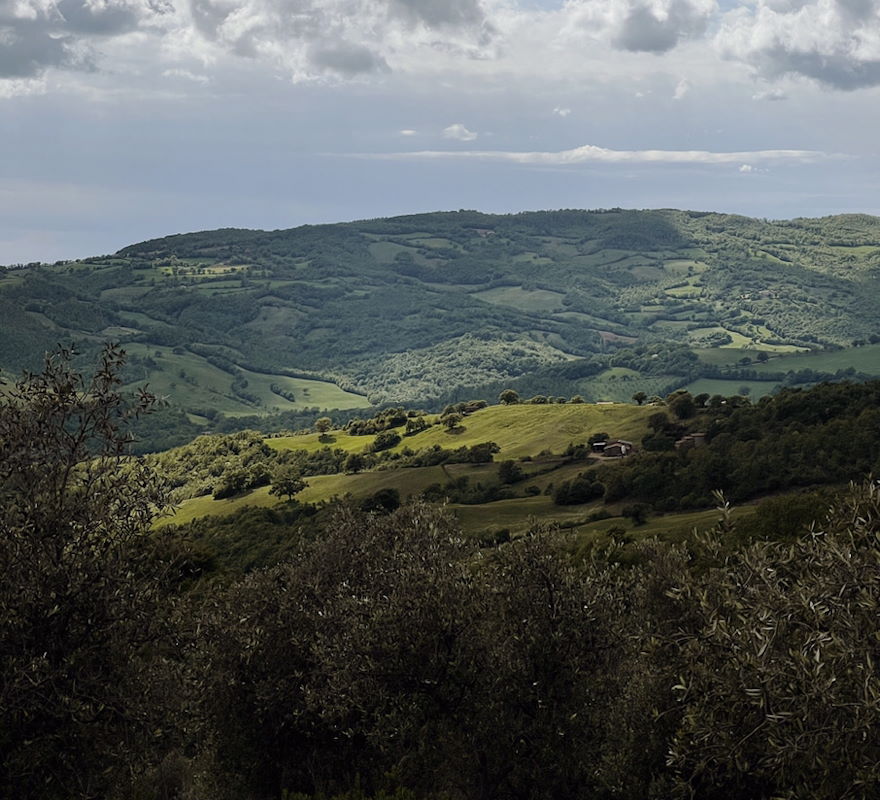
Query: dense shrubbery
798	438
389	657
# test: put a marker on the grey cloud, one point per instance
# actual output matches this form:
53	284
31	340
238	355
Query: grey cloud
82	18
347	59
837	70
645	30
440	13
38	37
835	44
26	49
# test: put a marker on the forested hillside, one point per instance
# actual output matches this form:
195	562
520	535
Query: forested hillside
435	308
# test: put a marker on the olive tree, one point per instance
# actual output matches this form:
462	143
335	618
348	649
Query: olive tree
82	600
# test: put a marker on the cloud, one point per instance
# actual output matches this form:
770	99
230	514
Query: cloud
347	38
561	112
681	89
459	132
37	35
185	74
651	26
834	42
407	132
746	168
591	154
439	13
305	38
347	59
770	95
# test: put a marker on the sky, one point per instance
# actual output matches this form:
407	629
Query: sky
124	120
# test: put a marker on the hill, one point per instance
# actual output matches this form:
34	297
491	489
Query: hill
504	469
436	308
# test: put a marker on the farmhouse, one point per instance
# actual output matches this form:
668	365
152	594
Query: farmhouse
615	448
690	441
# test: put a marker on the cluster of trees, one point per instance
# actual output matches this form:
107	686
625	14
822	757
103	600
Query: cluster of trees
389	658
828	434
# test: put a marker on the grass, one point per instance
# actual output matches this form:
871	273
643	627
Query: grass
207	386
522	299
739	341
518	430
408	481
308	393
521	513
864	359
728	388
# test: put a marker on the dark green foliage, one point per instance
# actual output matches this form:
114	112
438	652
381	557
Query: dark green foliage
382	502
382	421
286	482
508	397
510	472
829	434
779	685
83	602
583	489
682	405
384	441
378	650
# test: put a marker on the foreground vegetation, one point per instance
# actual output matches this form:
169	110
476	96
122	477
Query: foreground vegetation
389	656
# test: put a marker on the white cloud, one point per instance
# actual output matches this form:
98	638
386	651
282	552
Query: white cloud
591	154
561	112
407	132
746	168
835	42
681	89
459	132
185	74
770	95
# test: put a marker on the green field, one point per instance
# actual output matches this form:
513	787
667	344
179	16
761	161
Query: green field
208	386
522	299
729	388
518	430
864	359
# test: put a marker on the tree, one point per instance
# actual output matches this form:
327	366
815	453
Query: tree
682	405
83	600
416	425
640	397
508	397
382	502
779	686
510	472
287	482
322	425
452	421
354	462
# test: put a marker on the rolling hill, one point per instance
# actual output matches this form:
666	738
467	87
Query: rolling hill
435	308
